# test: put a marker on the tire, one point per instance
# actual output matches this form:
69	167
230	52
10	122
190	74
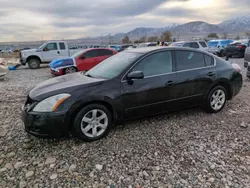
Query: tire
86	127
70	70
34	63
216	97
222	53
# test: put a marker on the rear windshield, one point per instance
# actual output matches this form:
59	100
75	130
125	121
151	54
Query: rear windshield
213	44
177	44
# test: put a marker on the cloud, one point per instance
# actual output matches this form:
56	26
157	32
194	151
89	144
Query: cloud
30	20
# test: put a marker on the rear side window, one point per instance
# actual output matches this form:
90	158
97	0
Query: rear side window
186	60
194	45
209	60
203	44
105	52
62	46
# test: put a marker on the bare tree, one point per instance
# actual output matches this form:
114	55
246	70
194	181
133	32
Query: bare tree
213	35
125	40
225	35
166	36
153	39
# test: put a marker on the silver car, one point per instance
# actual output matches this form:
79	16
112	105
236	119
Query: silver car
3	69
247	55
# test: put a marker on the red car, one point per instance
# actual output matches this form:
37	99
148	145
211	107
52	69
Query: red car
80	61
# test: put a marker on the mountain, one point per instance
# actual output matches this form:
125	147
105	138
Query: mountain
197	27
143	31
236	24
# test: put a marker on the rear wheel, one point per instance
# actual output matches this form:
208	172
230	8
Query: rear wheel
92	123
222	53
70	70
34	63
216	99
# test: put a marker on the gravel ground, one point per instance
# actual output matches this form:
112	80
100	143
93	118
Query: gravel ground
183	149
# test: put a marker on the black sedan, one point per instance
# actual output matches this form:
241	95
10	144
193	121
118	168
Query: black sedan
236	48
131	84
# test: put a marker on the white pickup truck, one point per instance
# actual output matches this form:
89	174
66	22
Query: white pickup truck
49	51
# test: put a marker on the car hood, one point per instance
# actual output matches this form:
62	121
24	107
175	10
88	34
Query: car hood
63	84
29	50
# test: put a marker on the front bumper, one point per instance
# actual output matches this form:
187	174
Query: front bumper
22	61
45	125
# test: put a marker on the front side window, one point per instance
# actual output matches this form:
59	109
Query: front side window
155	64
194	45
189	60
91	54
51	46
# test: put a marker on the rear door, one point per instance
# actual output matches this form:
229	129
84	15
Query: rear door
89	60
195	75
104	54
63	51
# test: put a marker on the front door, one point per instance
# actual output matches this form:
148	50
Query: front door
50	52
152	94
195	76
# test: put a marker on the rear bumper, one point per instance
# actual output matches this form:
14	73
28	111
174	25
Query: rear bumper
237	84
58	72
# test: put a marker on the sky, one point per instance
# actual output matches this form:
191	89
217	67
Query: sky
29	20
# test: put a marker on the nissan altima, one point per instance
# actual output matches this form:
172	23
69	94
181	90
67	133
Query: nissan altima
132	84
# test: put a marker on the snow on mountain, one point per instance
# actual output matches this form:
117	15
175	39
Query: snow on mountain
236	24
197	27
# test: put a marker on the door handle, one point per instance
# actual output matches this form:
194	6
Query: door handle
58	52
211	73
169	83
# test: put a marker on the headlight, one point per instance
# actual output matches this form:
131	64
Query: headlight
50	104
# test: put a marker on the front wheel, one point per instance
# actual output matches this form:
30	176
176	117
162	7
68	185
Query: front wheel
92	123
216	99
70	70
34	63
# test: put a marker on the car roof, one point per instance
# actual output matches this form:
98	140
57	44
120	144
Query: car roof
145	50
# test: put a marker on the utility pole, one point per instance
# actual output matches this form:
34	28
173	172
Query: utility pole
101	39
109	39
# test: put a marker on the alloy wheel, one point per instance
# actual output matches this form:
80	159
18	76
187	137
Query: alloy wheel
94	123
218	99
70	70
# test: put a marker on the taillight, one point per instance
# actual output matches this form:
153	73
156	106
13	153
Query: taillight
236	67
240	46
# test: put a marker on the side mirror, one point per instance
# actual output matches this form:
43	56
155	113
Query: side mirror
45	49
82	57
135	75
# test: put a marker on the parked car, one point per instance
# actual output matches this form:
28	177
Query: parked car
46	53
3	69
236	48
114	47
217	46
7	50
131	84
147	44
202	45
247	55
125	46
82	60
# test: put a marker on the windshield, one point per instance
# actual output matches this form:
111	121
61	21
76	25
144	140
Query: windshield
43	45
112	66
213	44
177	44
77	53
142	45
